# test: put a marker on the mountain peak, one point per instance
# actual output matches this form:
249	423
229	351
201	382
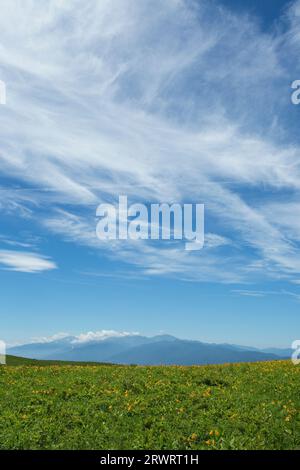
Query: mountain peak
126	348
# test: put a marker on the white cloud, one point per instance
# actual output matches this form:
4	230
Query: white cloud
159	102
15	243
49	339
212	240
250	293
90	336
25	262
262	293
101	335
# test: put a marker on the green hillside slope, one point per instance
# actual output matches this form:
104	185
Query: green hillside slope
22	361
240	406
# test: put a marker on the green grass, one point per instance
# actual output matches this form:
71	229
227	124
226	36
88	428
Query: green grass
22	361
241	406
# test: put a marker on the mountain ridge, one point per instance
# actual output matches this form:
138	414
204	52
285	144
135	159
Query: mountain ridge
143	350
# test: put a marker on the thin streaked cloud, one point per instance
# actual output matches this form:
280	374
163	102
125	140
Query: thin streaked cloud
26	262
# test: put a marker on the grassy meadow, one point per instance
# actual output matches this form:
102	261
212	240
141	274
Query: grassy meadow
61	406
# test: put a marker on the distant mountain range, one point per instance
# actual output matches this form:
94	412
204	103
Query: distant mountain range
142	350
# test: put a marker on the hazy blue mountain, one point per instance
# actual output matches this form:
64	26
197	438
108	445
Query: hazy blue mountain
87	351
181	352
102	350
44	349
284	353
142	350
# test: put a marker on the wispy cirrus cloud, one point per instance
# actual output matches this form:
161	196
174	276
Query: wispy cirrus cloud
262	293
161	102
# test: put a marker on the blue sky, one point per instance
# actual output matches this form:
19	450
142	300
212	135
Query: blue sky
183	101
